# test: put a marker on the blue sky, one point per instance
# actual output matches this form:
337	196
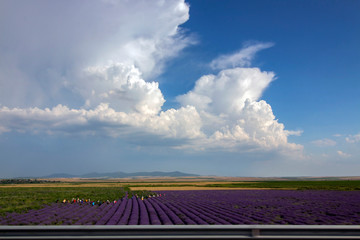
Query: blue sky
234	88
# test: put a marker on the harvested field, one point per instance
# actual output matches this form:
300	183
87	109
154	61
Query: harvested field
121	184
188	185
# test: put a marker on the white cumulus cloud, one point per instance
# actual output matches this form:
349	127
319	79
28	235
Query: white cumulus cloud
227	92
233	116
181	123
45	51
99	63
121	86
255	128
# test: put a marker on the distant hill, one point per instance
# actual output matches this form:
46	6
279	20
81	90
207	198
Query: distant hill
60	175
122	175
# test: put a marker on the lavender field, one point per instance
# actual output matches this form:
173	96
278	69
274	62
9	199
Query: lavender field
204	207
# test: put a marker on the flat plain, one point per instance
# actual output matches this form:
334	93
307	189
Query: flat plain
21	197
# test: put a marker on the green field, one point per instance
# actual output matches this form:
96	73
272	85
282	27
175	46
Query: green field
22	199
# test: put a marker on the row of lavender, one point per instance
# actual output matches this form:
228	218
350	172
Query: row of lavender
205	207
267	206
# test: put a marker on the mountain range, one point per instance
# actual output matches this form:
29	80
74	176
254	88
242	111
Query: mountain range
122	175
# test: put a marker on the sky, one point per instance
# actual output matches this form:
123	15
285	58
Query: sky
227	88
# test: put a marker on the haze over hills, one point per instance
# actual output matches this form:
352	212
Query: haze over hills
122	175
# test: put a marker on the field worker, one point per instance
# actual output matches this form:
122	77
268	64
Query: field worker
142	198
64	201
